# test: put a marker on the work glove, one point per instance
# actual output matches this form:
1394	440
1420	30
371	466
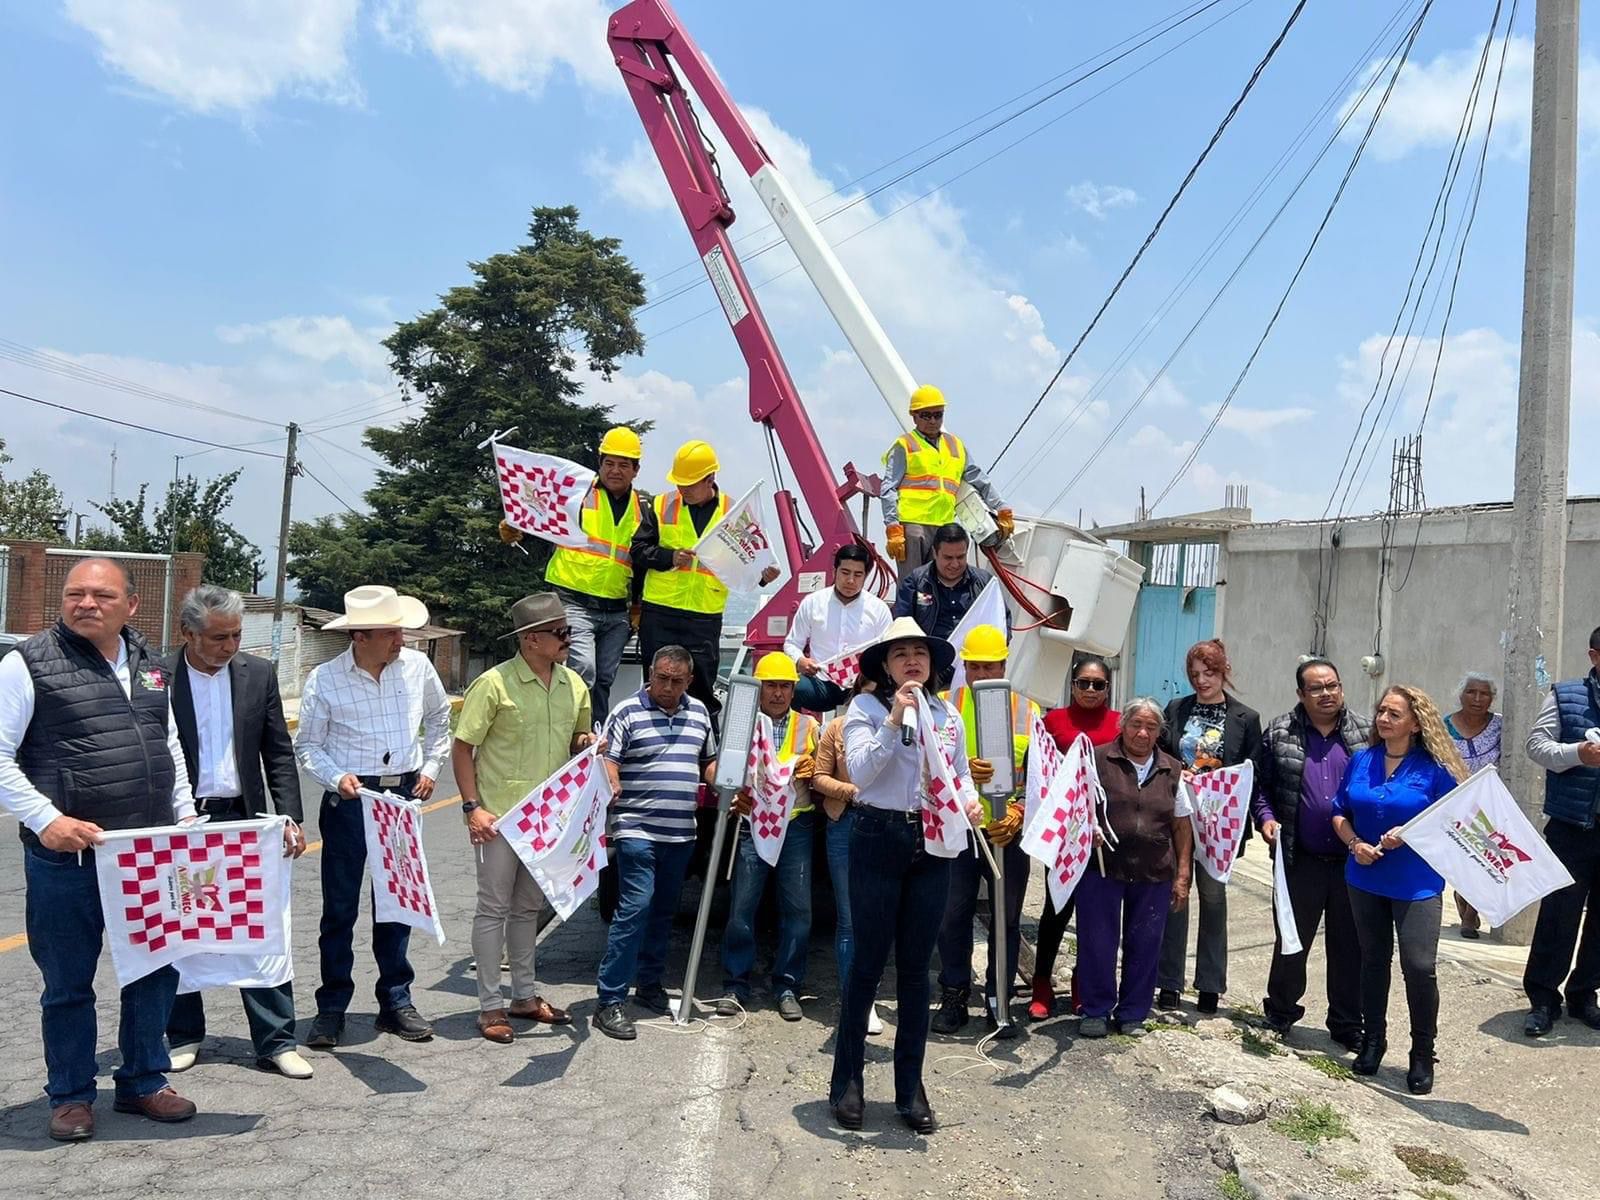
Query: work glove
805	767
981	769
896	535
1005	522
510	534
1004	830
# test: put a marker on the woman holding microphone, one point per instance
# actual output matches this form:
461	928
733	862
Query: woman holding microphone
896	886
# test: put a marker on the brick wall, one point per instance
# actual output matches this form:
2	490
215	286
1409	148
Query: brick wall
33	592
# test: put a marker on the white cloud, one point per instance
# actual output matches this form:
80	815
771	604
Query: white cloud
635	179
1099	199
1258	422
320	339
1429	98
513	44
209	57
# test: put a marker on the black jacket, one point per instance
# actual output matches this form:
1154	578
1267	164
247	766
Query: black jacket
1241	733
938	608
1281	768
260	734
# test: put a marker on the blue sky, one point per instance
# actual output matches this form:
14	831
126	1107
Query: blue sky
232	204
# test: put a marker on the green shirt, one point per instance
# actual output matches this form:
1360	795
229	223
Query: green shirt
523	730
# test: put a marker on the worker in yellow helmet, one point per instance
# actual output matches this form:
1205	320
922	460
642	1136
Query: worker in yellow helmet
683	600
922	472
794	738
596	582
983	656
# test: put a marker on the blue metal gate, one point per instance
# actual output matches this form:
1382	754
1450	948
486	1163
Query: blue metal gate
1177	608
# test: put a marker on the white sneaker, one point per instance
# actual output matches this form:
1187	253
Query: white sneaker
874	1022
289	1064
183	1057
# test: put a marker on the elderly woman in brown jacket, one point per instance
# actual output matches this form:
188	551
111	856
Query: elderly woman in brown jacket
1145	875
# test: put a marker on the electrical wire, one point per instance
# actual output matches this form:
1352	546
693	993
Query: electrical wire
1161	220
181	437
345	450
306	471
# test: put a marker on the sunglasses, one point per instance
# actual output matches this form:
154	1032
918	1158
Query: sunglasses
564	634
1091	685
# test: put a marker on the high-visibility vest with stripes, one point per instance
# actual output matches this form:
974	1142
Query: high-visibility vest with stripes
800	738
927	494
695	589
604	567
1022	710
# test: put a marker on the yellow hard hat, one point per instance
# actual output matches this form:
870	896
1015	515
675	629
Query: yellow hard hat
926	396
692	463
622	442
777	667
984	644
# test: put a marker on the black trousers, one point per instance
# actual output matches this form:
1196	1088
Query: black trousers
1318	895
698	633
1378	921
1052	928
1550	972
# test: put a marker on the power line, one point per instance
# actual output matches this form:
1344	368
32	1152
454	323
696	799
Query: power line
306	471
182	437
332	445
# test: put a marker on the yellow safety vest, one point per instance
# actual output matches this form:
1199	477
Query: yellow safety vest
604	567
695	589
1022	710
933	475
799	738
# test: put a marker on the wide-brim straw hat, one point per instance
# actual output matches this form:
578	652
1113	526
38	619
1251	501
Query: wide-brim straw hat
377	607
904	629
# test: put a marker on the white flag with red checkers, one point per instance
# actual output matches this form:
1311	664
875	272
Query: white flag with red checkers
537	822
945	827
843	670
1060	833
401	888
1221	801
737	549
175	891
1044	760
771	785
569	871
542	494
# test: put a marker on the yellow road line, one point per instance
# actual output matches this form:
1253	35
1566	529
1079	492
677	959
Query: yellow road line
18	940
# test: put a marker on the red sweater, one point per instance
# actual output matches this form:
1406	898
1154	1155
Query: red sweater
1066	723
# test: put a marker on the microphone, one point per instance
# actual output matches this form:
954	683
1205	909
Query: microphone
908	726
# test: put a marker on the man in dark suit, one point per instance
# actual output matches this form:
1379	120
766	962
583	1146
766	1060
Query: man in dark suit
231	725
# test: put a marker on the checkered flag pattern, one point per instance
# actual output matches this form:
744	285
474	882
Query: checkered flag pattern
168	894
402	891
842	670
535	825
771	791
1060	834
1221	800
1044	759
543	495
568	872
944	820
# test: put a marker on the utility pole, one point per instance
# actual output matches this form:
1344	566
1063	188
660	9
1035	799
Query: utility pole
1544	408
289	472
172	559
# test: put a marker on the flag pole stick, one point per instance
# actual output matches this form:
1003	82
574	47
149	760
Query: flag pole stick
997	911
733	855
703	917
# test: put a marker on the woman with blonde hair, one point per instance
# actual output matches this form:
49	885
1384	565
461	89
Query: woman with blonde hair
1411	763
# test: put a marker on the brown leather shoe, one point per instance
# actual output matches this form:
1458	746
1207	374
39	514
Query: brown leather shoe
72	1123
165	1106
541	1010
494	1026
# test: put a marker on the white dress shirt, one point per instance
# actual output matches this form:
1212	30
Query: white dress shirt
353	724
26	802
215	765
826	626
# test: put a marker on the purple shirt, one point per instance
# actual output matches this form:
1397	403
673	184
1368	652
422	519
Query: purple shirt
1326	760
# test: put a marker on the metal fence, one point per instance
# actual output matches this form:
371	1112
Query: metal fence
152	579
1183	564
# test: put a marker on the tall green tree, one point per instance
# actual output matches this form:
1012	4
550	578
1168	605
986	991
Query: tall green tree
496	353
31	507
198	512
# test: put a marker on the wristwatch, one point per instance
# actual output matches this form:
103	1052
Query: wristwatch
467	806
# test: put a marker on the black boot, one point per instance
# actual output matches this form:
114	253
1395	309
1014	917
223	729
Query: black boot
952	1016
850	1109
1419	1079
1373	1045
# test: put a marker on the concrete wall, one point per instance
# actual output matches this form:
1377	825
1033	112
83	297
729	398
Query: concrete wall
1444	619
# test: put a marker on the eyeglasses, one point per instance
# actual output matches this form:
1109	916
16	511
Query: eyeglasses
564	634
1091	685
1322	689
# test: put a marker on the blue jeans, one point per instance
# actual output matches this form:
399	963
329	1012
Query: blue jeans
269	1011
595	651
649	882
344	871
794	910
955	938
816	694
838	839
902	891
65	927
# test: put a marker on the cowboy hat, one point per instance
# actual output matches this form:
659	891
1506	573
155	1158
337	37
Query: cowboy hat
377	607
541	608
904	629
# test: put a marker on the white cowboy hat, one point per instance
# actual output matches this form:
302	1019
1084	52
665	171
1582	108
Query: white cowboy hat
375	607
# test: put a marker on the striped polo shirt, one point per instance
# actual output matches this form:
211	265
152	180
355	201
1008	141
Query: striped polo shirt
659	757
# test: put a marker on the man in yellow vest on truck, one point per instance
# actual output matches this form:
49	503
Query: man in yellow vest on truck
983	655
682	600
596	582
922	473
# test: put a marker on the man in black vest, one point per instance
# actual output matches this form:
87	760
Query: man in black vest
231	724
1560	743
87	744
